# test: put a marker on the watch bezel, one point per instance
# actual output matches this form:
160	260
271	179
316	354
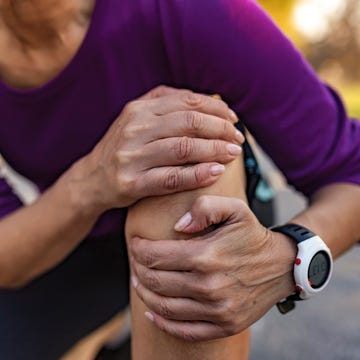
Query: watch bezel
307	250
324	258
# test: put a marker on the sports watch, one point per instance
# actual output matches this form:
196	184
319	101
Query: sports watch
312	267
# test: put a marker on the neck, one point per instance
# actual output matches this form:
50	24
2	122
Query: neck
43	22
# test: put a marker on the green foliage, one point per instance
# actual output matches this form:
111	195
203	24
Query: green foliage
351	95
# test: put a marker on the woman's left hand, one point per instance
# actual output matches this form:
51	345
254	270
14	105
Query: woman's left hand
218	284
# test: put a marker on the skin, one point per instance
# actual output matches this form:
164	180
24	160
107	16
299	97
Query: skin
160	128
125	166
40	32
257	269
40	37
156	146
155	218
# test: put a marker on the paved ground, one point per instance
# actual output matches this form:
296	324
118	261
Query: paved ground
326	327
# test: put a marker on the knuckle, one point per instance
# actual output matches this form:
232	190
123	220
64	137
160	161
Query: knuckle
192	100
149	259
203	291
229	329
243	209
223	315
199	175
125	179
194	120
151	280
124	157
241	204
164	310
159	90
126	183
132	108
217	147
229	313
222	105
201	263
202	202
217	313
131	131
213	287
209	289
183	148
207	261
188	335
173	180
227	128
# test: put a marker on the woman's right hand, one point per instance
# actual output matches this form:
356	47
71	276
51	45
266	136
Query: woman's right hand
167	141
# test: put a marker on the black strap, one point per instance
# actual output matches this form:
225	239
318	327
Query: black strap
297	232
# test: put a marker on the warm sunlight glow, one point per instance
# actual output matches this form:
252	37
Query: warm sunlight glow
313	17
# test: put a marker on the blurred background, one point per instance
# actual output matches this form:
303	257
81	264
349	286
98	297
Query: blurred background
328	33
327	327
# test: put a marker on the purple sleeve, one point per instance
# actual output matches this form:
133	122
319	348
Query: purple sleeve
231	47
8	200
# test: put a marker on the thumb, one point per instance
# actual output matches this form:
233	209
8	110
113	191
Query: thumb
210	210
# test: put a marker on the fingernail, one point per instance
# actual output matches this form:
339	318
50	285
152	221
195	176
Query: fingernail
234	149
183	222
239	136
149	316
217	170
233	115
135	281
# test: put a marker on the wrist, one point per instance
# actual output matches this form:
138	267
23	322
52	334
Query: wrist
284	250
82	188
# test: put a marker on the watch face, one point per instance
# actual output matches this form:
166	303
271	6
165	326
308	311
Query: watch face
319	269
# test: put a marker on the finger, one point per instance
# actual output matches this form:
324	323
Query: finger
194	124
188	330
188	100
172	179
170	283
184	150
210	210
179	255
174	308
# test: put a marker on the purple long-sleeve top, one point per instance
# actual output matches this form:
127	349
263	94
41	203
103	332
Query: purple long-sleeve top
229	47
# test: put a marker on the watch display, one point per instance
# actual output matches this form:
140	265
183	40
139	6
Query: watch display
319	268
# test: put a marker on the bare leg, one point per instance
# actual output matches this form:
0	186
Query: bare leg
154	218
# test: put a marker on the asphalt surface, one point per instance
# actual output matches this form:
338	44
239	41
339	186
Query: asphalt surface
326	327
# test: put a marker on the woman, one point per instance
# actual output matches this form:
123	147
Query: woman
68	69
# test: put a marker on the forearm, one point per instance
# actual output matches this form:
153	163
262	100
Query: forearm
132	161
334	216
154	219
37	237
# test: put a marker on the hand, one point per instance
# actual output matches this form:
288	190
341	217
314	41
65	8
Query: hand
167	141
214	285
